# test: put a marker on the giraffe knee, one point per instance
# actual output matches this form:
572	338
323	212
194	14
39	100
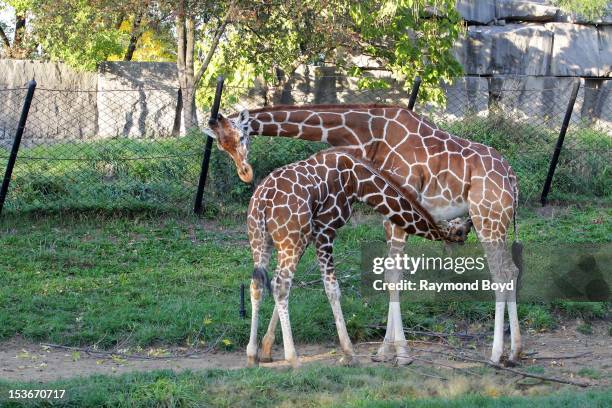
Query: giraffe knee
280	288
332	289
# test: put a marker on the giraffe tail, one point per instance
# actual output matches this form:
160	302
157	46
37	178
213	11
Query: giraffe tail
517	247
260	275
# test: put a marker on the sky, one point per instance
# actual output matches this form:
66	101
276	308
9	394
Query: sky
6	17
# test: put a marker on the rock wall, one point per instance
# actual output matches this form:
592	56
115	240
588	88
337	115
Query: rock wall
526	55
516	37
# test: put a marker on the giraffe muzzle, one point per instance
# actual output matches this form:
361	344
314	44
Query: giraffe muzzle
245	172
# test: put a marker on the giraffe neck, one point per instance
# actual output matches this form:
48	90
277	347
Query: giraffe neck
379	192
337	125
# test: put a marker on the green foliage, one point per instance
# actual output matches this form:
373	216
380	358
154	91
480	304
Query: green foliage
103	175
405	38
583	310
591	9
590	373
585	328
77	32
412	38
537	317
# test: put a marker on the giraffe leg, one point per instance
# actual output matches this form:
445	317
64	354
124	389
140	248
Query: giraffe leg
515	332
256	295
324	246
261	248
394	345
494	255
265	356
515	329
498	332
281	286
503	270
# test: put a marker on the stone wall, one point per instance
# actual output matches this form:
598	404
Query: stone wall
135	99
530	46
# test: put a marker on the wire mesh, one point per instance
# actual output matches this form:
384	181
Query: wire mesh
124	148
107	149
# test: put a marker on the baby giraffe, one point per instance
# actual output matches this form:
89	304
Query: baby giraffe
308	201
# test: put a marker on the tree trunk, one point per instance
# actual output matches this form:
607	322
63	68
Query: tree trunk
188	79
5	40
18	49
185	27
134	36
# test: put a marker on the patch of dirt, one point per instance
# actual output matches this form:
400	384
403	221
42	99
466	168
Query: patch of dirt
25	361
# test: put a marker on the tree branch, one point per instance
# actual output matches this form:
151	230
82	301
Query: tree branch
135	32
4	38
213	46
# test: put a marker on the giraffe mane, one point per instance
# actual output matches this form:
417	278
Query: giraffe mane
334	106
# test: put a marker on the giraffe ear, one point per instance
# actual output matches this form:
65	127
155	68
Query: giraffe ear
243	117
209	132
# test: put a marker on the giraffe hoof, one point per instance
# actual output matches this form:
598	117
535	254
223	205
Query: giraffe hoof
383	355
265	359
512	362
402	361
295	363
252	362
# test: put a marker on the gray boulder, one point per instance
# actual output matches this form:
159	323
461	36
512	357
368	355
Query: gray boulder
522	49
137	99
525	10
63	108
605	50
477	11
466	96
575	50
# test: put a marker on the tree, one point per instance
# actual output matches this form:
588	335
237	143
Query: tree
21	45
264	39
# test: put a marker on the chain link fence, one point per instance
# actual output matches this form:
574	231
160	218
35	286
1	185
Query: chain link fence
123	149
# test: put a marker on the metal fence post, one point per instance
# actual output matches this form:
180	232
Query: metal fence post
559	145
415	91
17	142
214	112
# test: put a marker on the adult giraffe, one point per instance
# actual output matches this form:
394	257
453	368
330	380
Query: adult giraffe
449	176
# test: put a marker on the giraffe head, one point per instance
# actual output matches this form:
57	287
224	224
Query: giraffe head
458	229
232	136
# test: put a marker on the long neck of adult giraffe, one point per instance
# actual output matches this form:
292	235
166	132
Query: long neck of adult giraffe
379	192
336	125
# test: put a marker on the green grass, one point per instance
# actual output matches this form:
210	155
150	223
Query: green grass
151	278
312	386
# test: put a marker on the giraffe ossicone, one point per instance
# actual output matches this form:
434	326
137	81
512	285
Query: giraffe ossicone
449	176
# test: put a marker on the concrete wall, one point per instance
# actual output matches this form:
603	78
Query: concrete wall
136	99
